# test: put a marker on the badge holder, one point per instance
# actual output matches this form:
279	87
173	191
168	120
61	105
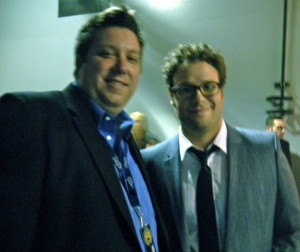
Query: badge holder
145	232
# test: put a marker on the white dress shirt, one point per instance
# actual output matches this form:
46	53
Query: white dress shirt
190	168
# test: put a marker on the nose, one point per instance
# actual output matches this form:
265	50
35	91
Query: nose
199	95
121	64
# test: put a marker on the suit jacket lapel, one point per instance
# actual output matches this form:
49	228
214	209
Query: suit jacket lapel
97	147
173	182
235	183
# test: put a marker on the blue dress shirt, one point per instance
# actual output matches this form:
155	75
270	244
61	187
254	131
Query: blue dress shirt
109	127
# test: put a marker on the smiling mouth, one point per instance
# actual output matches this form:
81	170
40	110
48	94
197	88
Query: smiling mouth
114	83
198	109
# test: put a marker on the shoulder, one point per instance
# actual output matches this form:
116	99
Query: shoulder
161	149
251	140
31	109
33	102
28	98
251	136
284	143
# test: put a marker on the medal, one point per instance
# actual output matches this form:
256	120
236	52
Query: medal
147	235
148	238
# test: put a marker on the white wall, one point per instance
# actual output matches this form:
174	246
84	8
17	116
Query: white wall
36	53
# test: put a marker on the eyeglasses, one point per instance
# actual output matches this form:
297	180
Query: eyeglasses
188	91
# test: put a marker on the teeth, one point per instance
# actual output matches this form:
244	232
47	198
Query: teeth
113	81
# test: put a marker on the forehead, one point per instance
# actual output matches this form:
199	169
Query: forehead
117	37
198	71
279	123
138	117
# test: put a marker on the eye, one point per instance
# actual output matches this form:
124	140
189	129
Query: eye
134	59
209	86
106	54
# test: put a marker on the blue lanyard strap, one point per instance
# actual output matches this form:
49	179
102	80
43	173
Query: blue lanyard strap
121	163
126	179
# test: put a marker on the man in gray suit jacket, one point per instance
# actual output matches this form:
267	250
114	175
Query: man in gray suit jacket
254	202
71	176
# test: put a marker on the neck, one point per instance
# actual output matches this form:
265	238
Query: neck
201	138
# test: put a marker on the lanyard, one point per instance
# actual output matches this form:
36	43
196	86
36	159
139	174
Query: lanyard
121	164
126	179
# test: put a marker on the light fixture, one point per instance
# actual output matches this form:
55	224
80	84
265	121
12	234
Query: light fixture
79	7
278	100
164	4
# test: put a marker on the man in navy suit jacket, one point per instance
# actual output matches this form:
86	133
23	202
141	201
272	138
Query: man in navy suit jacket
255	203
62	154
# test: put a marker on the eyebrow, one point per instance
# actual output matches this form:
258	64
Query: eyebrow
109	46
186	83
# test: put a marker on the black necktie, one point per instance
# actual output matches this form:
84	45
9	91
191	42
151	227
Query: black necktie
207	225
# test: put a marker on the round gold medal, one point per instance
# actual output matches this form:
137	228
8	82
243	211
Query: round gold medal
147	236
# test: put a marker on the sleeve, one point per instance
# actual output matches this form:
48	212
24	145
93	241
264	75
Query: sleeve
287	214
20	173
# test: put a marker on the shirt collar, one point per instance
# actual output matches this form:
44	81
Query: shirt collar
220	141
122	120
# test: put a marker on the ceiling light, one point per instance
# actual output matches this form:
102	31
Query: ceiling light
164	4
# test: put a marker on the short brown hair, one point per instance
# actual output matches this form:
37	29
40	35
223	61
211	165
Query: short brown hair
188	53
114	16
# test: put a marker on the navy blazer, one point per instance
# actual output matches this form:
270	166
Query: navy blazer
58	188
285	146
263	210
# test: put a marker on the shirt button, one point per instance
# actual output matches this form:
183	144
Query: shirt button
107	118
108	137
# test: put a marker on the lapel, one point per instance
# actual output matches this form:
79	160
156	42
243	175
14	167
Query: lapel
97	146
173	183
235	183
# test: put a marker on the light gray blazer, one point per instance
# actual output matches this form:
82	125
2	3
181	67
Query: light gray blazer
263	209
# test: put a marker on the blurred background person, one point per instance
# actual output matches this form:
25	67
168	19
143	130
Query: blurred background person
277	124
140	131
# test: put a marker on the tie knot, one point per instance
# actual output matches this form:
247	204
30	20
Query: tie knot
203	155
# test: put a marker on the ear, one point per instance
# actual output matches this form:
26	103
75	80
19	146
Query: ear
172	99
78	62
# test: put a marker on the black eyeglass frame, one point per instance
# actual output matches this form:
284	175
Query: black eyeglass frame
192	89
